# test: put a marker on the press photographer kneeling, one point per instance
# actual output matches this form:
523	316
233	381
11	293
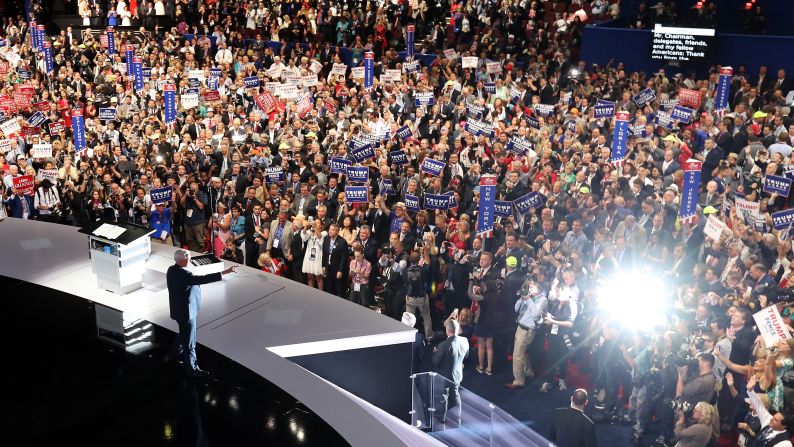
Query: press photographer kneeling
698	432
692	388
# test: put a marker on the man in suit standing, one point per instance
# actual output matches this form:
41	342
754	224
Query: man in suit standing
184	299
335	262
280	240
448	358
570	427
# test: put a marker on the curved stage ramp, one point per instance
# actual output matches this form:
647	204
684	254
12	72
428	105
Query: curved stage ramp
307	343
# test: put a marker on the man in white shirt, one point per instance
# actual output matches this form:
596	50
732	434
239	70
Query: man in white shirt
224	55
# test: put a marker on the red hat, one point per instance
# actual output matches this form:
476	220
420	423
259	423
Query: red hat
755	128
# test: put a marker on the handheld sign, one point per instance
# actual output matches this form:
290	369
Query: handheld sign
24	184
161	195
432	167
356	194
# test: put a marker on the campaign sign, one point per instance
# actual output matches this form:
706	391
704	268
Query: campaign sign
475	111
503	208
411	203
147	72
424	99
489	88
78	130
161	195
24	184
638	130
604	109
251	82
274	174
404	133
49	174
56	128
782	219
358	174
432	167
42	106
339	165
476	127
681	113
41	150
266	102
212	96
689	98
544	110
531	121
644	97
356	194
398	157
771	325
436	202
776	184
519	145
363	153
30	131
664	119
532	199
36	119
386	187
107	113
193	83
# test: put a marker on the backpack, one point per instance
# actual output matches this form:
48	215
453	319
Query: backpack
413	281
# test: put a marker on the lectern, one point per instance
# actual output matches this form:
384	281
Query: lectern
118	253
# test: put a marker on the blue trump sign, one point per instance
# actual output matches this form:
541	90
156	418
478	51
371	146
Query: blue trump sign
777	185
358	174
107	113
528	201
339	165
432	167
356	194
436	202
398	157
161	195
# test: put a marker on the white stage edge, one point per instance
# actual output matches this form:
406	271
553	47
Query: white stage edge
252	318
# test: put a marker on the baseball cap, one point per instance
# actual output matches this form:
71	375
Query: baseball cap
584	190
759	114
709	210
20	156
670	137
511	261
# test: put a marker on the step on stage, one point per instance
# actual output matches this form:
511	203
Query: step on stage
313	350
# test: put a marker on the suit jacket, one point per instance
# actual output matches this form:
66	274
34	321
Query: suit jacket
285	242
671	168
715	201
571	428
448	358
307	204
335	260
635	240
184	304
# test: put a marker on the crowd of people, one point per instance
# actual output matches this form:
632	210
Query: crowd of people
264	183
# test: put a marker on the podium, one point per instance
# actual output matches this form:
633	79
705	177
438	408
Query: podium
118	253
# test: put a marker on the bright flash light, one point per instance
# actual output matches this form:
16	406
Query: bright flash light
636	300
574	72
159	159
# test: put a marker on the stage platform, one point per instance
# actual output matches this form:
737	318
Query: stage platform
294	336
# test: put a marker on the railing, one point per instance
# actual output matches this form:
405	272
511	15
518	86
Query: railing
469	421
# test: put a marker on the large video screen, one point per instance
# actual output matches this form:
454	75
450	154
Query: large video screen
676	44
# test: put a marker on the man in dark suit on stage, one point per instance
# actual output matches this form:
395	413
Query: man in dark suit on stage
184	299
335	262
570	427
448	358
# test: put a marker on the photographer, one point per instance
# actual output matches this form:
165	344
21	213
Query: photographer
563	310
690	388
232	252
698	432
193	202
392	262
47	202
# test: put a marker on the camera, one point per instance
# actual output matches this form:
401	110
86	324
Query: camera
681	405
